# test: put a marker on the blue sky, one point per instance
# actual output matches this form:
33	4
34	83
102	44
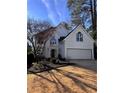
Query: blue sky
53	11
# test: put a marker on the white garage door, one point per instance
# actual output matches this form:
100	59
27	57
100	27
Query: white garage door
79	53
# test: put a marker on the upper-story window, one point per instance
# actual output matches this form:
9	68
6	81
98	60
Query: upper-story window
53	41
79	36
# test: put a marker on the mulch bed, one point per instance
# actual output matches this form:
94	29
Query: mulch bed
45	66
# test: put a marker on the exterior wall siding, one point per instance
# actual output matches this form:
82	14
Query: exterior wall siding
62	49
71	42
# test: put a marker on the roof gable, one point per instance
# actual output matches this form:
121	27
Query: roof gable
87	34
79	25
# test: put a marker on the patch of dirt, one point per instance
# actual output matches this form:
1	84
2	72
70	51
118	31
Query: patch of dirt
69	79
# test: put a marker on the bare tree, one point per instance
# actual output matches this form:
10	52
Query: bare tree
42	37
34	27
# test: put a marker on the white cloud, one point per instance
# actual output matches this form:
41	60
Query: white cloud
58	11
49	10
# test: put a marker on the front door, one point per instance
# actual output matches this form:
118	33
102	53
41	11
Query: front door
53	53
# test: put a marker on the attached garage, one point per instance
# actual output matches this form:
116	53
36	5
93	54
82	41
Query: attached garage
73	53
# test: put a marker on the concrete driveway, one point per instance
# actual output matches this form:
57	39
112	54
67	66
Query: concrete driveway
88	64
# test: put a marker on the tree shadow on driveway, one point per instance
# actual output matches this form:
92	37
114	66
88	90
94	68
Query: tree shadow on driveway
67	81
78	82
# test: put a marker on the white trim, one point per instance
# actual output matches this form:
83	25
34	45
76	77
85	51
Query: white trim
82	30
87	34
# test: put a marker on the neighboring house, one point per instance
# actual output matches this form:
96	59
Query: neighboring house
75	44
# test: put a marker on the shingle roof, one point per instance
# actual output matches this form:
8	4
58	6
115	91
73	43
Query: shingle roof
73	30
62	38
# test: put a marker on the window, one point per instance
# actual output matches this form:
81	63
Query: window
79	36
53	41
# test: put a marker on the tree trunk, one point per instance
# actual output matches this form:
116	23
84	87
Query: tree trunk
92	14
95	16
